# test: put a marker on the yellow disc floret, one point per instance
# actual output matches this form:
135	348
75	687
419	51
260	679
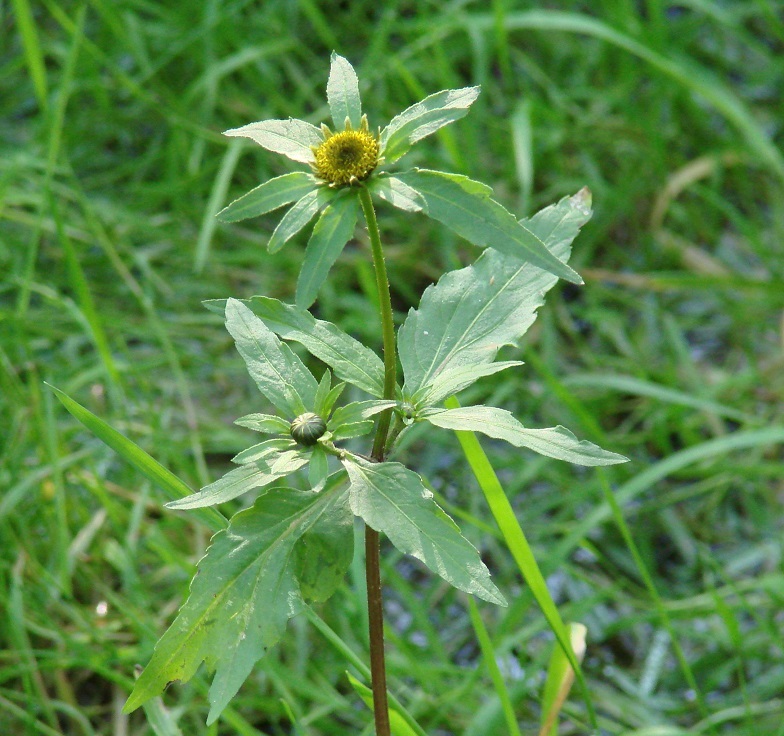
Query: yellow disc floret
346	157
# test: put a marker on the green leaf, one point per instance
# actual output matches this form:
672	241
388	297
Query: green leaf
247	477
325	551
343	93
266	423
352	420
397	193
331	233
324	409
265	449
557	442
318	467
241	598
279	374
458	377
424	118
454	201
391	499
269	196
349	359
292	138
462	321
298	216
133	454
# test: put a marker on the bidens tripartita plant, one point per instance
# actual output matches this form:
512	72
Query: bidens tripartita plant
294	543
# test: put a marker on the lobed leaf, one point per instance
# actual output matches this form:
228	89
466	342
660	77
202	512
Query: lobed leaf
303	211
292	138
425	118
325	551
557	442
242	597
349	359
269	196
455	201
332	231
452	339
391	499
343	93
279	374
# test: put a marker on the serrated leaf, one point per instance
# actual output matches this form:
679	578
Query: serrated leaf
391	499
292	138
343	93
249	476
425	118
557	442
303	211
325	551
269	196
266	423
136	456
241	599
332	231
463	320
397	193
349	359
279	374
481	220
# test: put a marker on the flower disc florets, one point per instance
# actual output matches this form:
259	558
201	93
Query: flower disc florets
346	157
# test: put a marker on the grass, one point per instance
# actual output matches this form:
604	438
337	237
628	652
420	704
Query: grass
111	165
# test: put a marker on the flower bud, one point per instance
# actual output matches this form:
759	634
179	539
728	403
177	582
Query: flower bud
307	428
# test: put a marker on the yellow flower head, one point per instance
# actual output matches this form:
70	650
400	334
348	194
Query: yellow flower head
346	157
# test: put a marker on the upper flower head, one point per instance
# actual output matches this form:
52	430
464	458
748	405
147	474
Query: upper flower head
352	157
346	157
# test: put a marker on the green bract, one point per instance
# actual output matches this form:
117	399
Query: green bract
353	157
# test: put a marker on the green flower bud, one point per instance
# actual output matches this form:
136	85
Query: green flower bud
307	428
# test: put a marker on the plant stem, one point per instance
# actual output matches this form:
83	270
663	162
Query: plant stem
372	558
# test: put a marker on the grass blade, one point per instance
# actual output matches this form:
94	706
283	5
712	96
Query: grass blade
519	547
133	454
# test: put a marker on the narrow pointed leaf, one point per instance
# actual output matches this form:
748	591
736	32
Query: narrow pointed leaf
397	193
266	423
268	448
269	196
465	318
318	467
298	216
331	233
349	359
343	93
424	118
279	374
557	442
391	499
133	454
241	600
292	138
482	220
240	480
353	420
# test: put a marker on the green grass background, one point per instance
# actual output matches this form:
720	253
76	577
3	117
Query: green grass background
111	168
